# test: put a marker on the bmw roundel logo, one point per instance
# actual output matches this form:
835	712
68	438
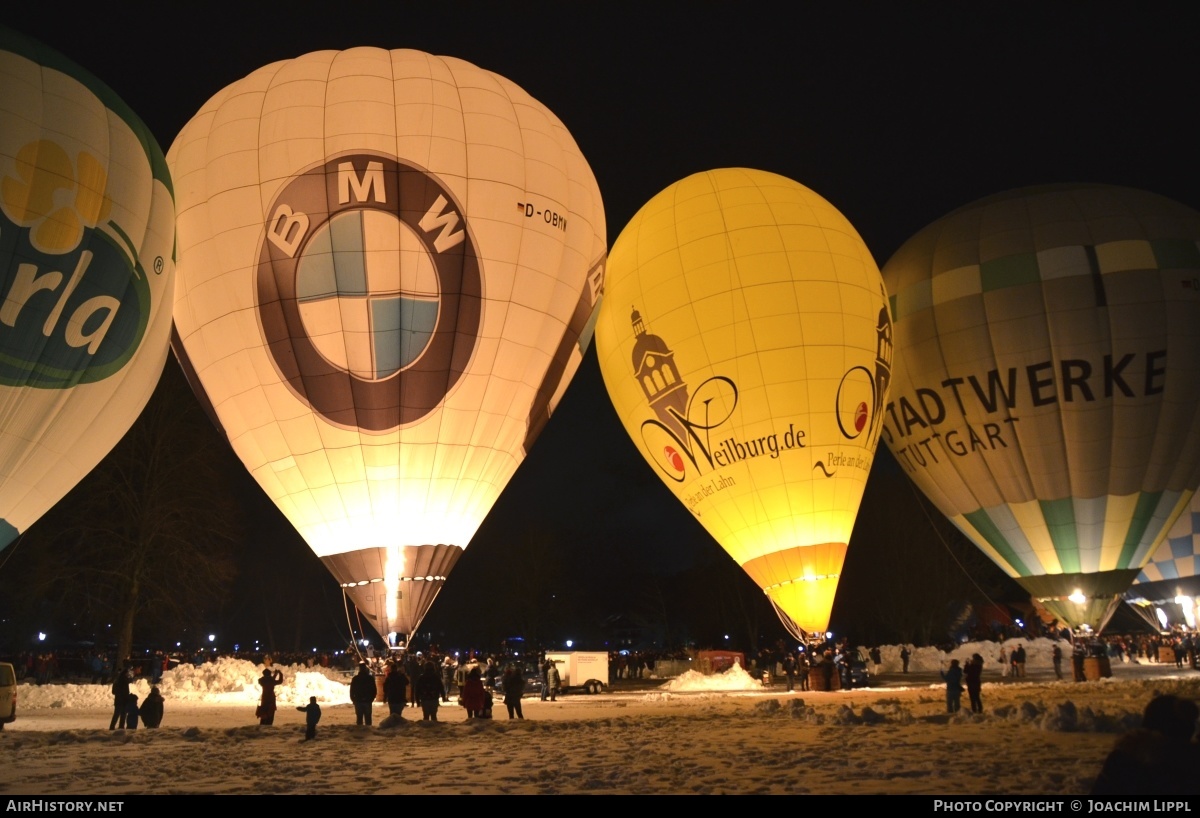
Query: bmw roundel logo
369	290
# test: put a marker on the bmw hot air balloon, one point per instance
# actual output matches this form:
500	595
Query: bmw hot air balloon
87	225
388	265
1045	395
745	342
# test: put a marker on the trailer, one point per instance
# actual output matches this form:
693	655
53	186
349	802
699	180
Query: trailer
581	670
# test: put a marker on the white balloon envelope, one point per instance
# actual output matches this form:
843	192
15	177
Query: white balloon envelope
388	267
87	226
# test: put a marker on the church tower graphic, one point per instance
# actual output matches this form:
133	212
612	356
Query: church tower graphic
883	366
654	368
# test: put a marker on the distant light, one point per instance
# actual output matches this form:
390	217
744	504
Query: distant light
41	636
828	634
1020	624
212	637
570	643
177	644
1077	597
726	637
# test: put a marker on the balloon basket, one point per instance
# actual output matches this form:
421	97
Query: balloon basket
1096	667
819	681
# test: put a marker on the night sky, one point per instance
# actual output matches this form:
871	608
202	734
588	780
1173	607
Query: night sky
895	113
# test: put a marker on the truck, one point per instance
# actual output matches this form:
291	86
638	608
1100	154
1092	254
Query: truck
581	670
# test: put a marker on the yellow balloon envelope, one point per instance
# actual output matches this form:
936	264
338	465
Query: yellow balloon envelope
86	275
389	263
1046	396
745	342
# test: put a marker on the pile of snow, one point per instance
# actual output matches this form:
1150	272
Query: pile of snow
734	679
225	681
1039	653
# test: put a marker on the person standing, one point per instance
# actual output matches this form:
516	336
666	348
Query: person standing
1005	662
131	712
802	669
973	676
312	715
1019	661
429	691
448	668
412	669
474	697
266	705
362	694
1056	658
953	676
120	693
513	684
904	657
97	669
789	671
552	678
395	689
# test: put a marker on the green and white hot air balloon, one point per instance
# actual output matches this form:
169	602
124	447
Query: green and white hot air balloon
1045	393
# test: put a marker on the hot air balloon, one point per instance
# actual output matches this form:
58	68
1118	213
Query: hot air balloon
1170	581
388	265
1045	394
87	225
745	342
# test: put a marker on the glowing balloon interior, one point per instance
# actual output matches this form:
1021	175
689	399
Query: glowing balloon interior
86	275
389	263
745	343
1045	394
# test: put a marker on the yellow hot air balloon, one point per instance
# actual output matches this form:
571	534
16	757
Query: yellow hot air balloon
1045	395
745	343
388	265
87	225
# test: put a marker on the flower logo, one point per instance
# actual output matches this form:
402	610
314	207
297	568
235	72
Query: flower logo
54	198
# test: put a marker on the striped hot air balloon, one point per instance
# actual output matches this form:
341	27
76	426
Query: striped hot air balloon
1045	395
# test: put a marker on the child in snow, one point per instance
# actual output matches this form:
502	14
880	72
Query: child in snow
312	715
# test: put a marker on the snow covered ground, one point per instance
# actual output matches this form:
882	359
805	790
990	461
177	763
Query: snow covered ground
691	734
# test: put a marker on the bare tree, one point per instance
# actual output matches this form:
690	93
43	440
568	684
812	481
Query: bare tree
145	541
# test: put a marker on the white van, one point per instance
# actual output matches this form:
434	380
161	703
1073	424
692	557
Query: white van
8	694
